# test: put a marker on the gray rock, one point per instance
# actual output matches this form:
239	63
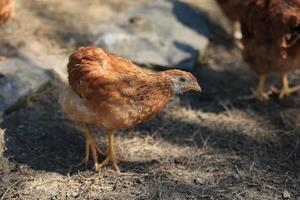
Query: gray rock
159	32
48	58
19	77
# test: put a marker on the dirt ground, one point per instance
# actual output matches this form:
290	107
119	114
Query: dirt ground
213	145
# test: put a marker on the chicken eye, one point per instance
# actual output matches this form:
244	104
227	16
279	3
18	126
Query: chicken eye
182	79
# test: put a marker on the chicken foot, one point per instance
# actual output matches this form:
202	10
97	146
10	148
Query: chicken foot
286	90
111	157
259	93
91	146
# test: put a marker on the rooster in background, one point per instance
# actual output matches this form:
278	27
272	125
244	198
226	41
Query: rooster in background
271	39
114	94
7	10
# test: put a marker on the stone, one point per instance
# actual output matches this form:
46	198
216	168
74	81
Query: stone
159	32
20	76
53	59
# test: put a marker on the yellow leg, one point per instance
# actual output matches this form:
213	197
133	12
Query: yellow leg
111	157
236	30
286	90
237	34
259	92
91	146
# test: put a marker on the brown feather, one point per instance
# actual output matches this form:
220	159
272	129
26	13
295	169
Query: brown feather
271	38
119	93
113	93
232	8
7	10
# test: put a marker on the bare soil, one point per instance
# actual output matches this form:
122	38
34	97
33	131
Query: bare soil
213	145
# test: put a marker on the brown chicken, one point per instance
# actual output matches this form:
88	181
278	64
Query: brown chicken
233	9
7	10
114	94
271	38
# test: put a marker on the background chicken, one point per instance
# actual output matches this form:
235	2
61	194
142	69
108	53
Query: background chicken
113	93
271	38
7	10
233	10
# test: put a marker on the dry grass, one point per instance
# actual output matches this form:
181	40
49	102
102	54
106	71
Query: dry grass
182	154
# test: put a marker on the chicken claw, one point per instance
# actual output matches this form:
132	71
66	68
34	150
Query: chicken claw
91	146
111	154
286	90
259	93
113	161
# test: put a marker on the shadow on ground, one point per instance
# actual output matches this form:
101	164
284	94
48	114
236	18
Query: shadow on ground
221	160
188	15
45	140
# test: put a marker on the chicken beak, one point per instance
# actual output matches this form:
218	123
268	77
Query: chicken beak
196	88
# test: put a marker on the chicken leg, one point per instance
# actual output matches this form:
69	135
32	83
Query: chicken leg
91	146
259	92
236	33
286	90
111	157
236	30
